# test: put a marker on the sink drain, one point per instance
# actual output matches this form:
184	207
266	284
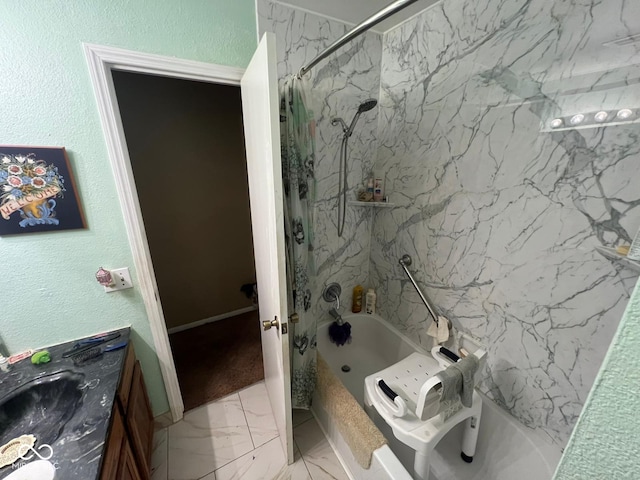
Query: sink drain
346	368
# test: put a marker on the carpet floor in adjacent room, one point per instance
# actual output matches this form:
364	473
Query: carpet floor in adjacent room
218	358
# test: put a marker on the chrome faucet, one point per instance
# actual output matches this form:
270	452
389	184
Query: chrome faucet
331	293
334	313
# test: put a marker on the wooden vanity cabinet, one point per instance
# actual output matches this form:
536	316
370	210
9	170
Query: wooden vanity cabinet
128	468
113	451
128	452
124	389
139	421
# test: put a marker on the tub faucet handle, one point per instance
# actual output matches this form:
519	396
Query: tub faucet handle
331	293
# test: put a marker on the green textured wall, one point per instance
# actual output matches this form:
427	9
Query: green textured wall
48	293
606	440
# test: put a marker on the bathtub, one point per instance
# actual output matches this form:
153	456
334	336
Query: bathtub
506	449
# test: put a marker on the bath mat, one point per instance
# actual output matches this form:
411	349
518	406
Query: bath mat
357	429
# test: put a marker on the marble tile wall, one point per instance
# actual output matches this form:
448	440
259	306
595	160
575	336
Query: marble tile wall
339	84
500	214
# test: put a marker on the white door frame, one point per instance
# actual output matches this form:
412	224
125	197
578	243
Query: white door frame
101	60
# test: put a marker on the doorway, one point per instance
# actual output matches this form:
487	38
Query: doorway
186	148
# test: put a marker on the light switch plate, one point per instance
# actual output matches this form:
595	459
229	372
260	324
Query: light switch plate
121	278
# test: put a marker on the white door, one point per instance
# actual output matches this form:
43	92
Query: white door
260	112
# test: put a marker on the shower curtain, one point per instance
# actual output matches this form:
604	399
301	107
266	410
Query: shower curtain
297	129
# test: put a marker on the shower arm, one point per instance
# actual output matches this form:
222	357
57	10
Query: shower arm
404	261
373	20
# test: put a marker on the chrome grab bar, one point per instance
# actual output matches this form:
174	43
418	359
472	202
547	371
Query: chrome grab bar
405	261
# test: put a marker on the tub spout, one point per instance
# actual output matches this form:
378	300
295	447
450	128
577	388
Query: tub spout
337	317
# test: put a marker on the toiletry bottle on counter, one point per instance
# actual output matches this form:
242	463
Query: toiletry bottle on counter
634	250
370	301
356	304
4	364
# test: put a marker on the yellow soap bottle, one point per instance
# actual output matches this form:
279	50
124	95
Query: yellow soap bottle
356	304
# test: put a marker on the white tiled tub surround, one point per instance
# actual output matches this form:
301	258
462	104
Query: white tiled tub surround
339	84
501	215
235	438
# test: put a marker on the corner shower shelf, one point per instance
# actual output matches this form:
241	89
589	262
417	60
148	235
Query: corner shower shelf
370	204
613	255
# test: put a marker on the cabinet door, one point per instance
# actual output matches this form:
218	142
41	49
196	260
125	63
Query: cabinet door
140	422
128	469
124	389
113	450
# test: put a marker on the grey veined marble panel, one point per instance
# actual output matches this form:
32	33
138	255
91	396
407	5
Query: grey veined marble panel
339	85
501	213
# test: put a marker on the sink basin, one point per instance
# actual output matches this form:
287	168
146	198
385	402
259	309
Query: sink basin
40	407
40	470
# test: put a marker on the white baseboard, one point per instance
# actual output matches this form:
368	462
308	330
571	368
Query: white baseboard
215	318
163	420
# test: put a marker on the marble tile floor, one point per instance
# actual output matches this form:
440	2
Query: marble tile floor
235	437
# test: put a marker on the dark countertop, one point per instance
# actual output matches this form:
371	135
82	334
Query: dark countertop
76	424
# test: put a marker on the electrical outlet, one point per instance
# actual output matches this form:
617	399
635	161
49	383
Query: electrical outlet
121	279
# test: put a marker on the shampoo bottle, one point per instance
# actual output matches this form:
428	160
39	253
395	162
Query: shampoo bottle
378	190
370	182
356	304
370	302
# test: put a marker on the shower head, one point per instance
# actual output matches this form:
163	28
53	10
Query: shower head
363	107
367	105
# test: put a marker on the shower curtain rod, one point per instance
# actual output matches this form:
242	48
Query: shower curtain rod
374	19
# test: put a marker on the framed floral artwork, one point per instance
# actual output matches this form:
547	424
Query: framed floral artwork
37	191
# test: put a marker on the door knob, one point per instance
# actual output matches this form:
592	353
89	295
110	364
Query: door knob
267	324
